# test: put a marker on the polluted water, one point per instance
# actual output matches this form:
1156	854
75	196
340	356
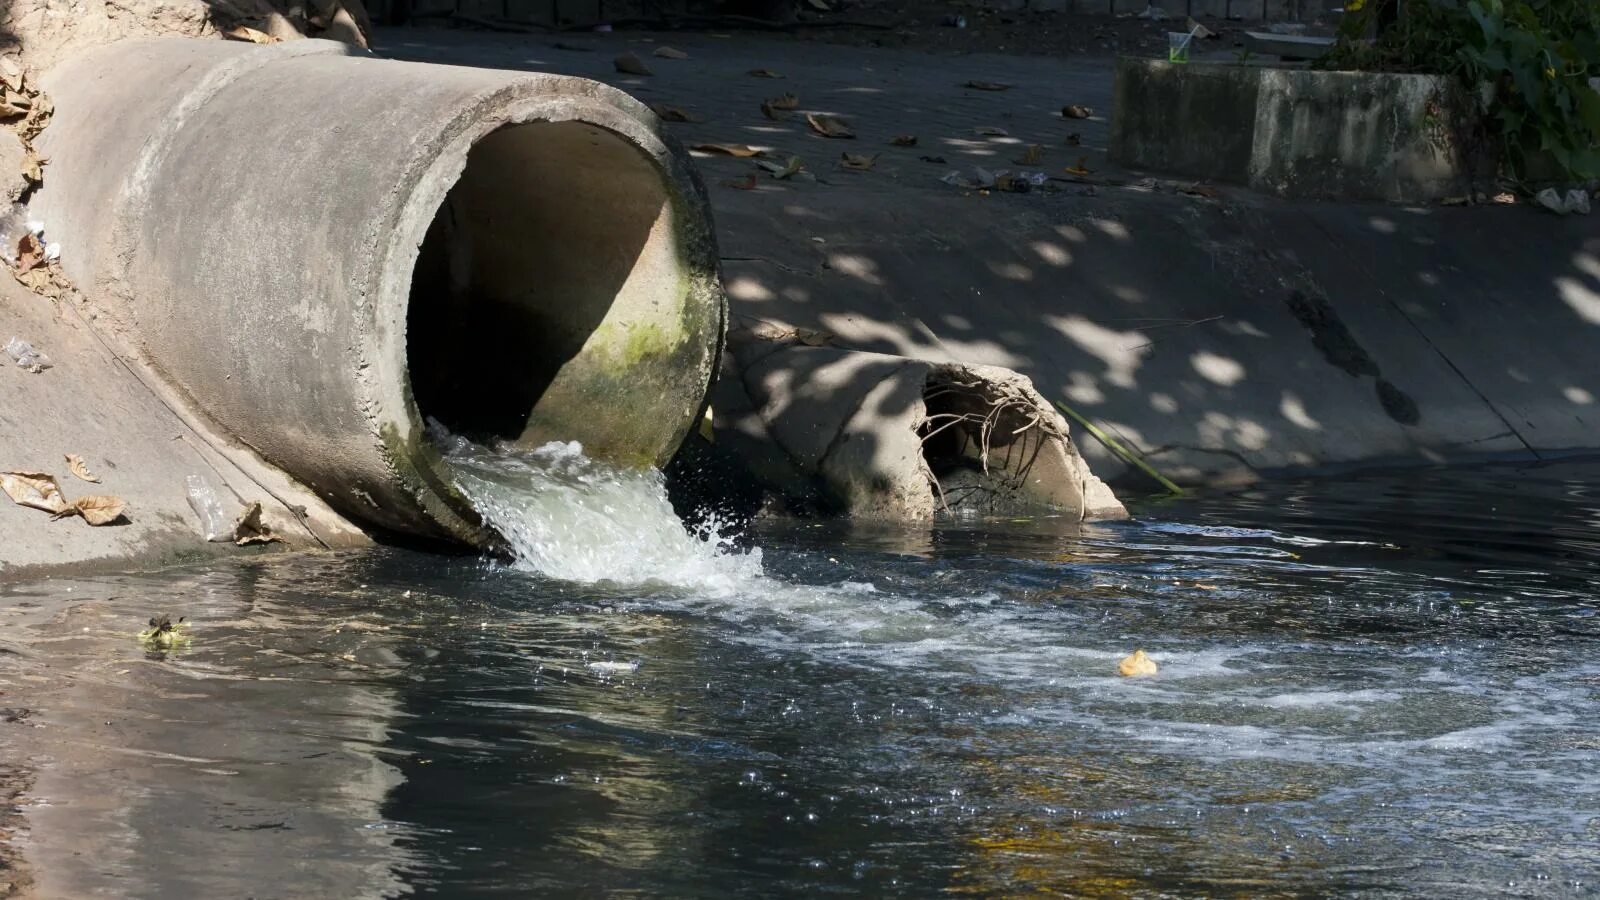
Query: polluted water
1386	685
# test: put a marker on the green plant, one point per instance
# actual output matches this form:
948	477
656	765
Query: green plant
1521	66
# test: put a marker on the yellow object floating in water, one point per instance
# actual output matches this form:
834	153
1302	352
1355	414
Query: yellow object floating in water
1137	663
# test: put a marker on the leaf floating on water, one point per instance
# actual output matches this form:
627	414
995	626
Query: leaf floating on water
829	127
250	35
1200	190
164	634
628	64
990	131
97	509
1074	140
743	151
764	73
673	113
904	140
1075	111
249	529
1031	155
857	162
81	468
787	101
772	112
988	86
1081	169
747	183
1137	664
670	53
35	490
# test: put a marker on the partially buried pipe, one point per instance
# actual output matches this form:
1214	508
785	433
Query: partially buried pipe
324	251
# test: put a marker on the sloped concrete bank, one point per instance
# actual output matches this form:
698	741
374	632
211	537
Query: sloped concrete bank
517	257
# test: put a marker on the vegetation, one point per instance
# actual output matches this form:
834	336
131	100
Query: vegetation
1522	69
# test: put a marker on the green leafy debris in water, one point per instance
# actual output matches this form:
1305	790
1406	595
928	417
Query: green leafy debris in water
165	634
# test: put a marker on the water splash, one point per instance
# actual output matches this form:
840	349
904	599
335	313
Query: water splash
567	516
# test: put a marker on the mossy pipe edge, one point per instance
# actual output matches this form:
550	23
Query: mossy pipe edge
323	250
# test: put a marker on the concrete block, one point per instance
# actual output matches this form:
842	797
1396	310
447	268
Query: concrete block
1291	132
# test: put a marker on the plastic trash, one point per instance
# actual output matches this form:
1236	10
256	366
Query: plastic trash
26	356
52	252
1575	201
207	505
1178	46
13	225
1154	13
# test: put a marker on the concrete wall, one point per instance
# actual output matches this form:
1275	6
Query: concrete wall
1290	132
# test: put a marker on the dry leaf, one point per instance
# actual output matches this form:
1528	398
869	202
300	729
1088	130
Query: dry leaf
97	509
1031	155
764	73
787	101
1074	140
11	73
990	131
904	140
1075	111
248	529
245	33
857	162
628	64
787	169
35	490
1081	169
988	86
829	127
30	253
673	113
743	151
670	53
1199	190
747	183
1138	663
81	468
32	167
813	338
772	112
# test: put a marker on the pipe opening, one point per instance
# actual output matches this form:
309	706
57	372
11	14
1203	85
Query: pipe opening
556	235
991	448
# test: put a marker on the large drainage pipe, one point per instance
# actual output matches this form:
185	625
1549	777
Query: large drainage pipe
324	251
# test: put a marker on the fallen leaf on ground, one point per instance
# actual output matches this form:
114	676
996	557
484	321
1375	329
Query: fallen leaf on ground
32	167
1138	663
35	490
904	140
672	113
813	338
11	74
669	53
1505	198
1030	155
742	151
829	127
628	64
96	509
249	35
747	183
988	86
30	253
786	169
248	529
764	73
857	162
1074	140
81	468
990	131
1076	112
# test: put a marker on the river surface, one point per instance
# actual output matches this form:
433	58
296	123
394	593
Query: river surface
1381	686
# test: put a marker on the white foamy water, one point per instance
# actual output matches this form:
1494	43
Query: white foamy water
566	516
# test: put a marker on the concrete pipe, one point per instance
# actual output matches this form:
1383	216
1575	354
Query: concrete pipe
325	250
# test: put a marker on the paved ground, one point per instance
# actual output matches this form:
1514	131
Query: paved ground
1222	337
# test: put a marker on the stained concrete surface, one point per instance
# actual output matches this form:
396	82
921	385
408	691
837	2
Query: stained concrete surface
1177	322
